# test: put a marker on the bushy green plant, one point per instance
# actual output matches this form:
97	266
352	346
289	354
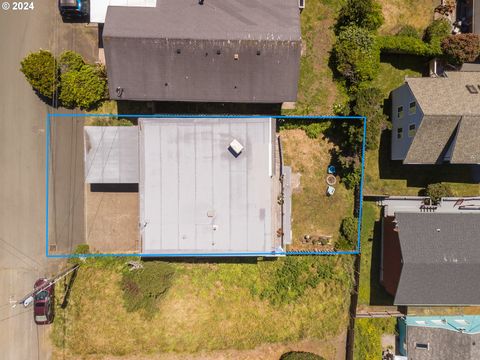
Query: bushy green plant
366	14
461	48
438	30
407	45
437	191
356	55
300	355
85	88
70	61
143	288
368	102
41	71
409	30
294	276
315	129
348	234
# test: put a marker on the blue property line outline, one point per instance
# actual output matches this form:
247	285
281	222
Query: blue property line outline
356	251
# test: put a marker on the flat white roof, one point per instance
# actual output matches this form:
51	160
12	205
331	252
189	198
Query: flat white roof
98	8
196	195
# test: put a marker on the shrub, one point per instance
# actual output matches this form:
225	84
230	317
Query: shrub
461	48
362	13
356	55
410	31
348	234
70	61
41	71
368	102
143	288
85	88
437	31
294	276
314	130
437	191
300	355
407	45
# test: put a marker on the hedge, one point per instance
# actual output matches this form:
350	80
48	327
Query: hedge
407	45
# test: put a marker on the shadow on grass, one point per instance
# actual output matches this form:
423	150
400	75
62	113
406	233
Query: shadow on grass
211	259
378	295
407	62
422	175
68	289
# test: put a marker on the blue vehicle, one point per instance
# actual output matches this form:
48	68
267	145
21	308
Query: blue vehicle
74	9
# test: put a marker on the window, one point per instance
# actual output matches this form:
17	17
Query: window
411	130
412	109
422	346
400	112
399	133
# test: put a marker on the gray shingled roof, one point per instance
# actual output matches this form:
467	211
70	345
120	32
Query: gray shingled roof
443	344
466	148
214	20
431	139
447	95
441	259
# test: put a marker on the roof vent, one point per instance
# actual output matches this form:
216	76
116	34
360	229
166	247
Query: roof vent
235	148
472	89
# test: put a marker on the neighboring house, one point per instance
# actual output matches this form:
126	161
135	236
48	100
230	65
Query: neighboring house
206	185
437	120
439	337
238	51
98	8
430	255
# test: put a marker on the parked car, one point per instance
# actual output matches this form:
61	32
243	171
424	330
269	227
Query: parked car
43	302
73	9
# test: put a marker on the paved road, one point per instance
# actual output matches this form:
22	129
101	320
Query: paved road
22	180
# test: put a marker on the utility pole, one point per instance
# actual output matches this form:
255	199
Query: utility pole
27	299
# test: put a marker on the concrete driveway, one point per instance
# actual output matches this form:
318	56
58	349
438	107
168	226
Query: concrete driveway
22	175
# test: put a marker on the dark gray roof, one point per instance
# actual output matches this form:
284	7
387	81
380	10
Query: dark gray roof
447	95
466	149
222	51
431	139
214	20
441	259
443	344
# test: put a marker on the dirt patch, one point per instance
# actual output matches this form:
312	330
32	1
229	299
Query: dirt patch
313	212
333	349
112	221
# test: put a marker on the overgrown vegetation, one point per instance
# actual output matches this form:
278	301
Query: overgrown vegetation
368	337
368	102
365	14
41	71
300	355
143	288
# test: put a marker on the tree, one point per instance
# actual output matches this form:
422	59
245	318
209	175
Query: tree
41	71
437	191
365	14
348	234
84	88
461	48
437	31
368	103
356	55
70	61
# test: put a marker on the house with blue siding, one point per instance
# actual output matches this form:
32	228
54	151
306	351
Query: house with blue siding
436	120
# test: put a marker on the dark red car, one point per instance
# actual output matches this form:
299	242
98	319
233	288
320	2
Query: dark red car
43	302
